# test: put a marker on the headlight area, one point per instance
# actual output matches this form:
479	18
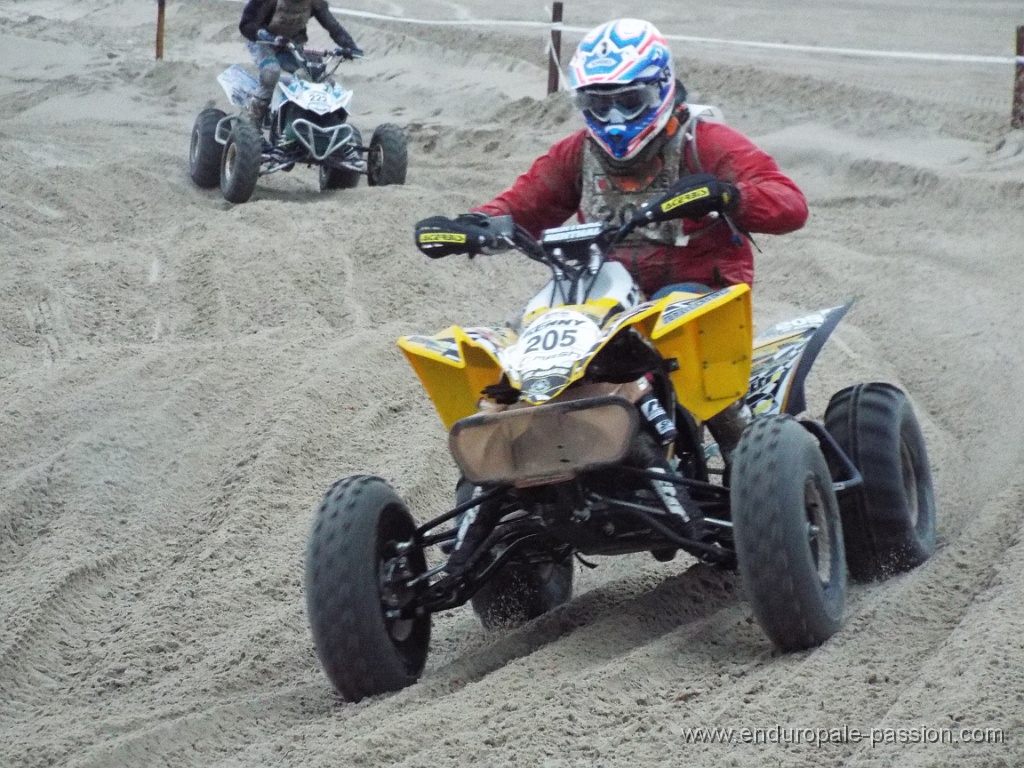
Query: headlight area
545	443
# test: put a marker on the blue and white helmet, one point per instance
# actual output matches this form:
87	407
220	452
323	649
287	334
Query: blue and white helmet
623	82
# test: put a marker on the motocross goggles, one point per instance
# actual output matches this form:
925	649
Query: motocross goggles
620	104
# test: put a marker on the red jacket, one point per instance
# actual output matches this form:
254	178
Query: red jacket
549	193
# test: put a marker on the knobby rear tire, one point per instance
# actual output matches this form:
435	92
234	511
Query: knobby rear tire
519	592
889	522
388	158
341	178
204	153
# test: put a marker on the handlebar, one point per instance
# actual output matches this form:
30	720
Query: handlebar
691	197
339	51
304	52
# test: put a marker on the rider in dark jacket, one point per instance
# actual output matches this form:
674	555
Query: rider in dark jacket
266	23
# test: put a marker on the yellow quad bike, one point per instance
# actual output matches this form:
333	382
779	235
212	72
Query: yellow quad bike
583	435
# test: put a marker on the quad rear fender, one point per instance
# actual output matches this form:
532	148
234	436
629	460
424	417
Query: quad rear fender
783	356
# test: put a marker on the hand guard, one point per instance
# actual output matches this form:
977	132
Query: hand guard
693	197
469	233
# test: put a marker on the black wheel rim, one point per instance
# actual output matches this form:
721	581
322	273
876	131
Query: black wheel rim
819	533
909	474
395	569
376	162
230	160
390	599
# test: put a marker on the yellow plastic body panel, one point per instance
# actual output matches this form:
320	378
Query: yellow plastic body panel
711	345
599	310
710	340
453	369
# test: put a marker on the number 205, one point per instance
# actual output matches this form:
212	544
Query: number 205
552	339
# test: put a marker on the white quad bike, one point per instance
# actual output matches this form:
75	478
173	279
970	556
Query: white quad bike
307	123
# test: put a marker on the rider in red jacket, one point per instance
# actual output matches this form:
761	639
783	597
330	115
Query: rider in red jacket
641	137
551	191
641	140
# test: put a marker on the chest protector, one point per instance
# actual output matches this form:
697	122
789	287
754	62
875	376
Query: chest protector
614	199
290	19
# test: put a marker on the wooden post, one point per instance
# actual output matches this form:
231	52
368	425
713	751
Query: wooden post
160	28
1017	117
555	52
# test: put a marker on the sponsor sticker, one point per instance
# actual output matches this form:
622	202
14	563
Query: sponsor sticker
442	237
686	197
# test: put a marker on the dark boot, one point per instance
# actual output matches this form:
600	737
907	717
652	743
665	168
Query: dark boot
476	525
727	427
677	500
256	110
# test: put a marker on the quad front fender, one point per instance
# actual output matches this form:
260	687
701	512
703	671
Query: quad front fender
238	84
454	366
710	338
706	340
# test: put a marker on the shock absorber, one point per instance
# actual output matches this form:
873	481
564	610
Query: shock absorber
658	419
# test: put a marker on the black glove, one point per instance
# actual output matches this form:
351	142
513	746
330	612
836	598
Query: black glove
344	40
692	197
469	233
349	53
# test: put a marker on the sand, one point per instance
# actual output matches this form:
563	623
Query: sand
181	379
